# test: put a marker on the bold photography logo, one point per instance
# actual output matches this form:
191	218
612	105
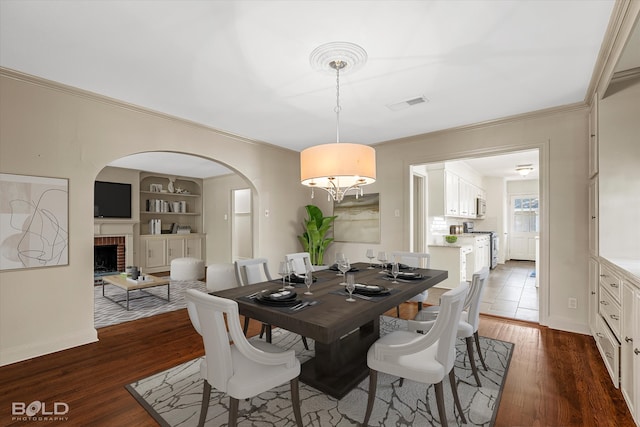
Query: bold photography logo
39	411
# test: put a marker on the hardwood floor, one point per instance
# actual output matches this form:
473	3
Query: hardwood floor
555	379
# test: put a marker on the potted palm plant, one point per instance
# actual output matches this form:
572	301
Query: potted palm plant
314	239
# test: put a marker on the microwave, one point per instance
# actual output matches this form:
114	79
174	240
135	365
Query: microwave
481	207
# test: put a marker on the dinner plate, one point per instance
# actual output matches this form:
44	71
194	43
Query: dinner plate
407	275
295	278
276	303
370	289
279	295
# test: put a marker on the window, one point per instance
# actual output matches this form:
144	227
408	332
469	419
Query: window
526	215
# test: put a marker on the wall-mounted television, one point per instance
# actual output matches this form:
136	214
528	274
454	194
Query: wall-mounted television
111	200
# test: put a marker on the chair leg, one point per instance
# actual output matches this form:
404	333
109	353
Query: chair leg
204	406
477	339
262	329
419	306
440	403
472	360
245	328
304	341
268	333
373	382
398	311
456	399
295	401
233	412
401	382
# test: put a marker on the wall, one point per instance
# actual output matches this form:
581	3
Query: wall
51	130
562	138
619	171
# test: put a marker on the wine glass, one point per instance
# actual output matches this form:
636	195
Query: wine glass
284	272
291	271
395	269
339	258
308	280
382	257
344	266
351	286
371	256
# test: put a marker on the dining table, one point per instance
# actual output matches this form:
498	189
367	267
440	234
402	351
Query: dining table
343	331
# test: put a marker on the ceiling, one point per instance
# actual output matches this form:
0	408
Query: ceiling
243	66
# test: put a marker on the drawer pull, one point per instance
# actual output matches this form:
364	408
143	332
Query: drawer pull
609	355
604	303
613	285
614	316
628	339
636	351
593	292
600	335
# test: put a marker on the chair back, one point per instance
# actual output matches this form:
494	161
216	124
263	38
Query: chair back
451	303
221	277
412	259
210	312
207	315
300	261
250	271
472	303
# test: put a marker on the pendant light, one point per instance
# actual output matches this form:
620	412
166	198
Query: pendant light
338	167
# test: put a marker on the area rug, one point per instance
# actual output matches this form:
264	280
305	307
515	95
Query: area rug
173	396
107	313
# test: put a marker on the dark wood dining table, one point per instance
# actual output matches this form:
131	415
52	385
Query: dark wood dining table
343	331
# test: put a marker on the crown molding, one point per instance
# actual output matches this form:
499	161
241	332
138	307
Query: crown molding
81	93
623	18
563	109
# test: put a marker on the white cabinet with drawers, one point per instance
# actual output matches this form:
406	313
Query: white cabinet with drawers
617	326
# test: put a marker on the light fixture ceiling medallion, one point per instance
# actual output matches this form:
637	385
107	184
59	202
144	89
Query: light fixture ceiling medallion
338	167
524	170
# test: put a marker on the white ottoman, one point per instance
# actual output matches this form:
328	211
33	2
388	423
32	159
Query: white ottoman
187	269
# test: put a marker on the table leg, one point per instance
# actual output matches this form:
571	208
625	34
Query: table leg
340	366
127	300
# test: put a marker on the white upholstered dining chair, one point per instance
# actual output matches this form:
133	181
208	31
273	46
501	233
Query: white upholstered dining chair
415	260
300	261
421	358
469	319
248	272
240	369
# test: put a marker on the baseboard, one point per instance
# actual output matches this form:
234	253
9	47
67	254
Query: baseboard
567	325
24	352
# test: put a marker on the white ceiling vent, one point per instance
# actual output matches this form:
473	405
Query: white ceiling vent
408	103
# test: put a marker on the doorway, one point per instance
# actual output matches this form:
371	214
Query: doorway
512	290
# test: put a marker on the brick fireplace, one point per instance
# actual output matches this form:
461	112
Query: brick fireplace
115	243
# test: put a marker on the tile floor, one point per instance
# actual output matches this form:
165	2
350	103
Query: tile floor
510	292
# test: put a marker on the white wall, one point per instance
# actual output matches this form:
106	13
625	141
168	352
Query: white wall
619	174
562	138
49	130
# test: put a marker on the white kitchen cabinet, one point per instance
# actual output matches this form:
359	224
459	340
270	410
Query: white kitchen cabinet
452	196
480	257
594	281
593	137
160	250
630	348
452	258
593	217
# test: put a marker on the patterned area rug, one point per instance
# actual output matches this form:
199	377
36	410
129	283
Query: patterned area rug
107	313
173	396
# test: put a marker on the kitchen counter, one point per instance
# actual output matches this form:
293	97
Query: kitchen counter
631	266
451	245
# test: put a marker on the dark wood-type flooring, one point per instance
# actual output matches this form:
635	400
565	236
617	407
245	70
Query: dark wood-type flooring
555	379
